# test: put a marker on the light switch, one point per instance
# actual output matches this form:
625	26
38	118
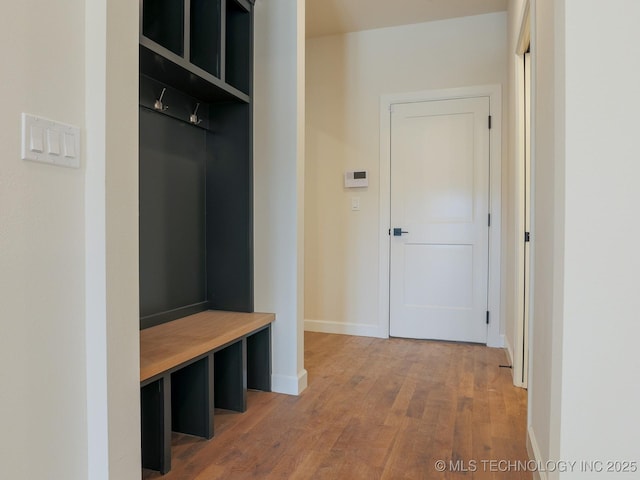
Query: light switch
69	145
355	204
53	142
36	143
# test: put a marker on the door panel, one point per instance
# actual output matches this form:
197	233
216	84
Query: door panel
439	195
438	191
454	262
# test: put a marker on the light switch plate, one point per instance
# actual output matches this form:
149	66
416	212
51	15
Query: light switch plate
43	141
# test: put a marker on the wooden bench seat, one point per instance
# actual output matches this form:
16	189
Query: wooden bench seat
191	365
166	346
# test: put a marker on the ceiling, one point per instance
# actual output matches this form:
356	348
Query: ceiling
329	17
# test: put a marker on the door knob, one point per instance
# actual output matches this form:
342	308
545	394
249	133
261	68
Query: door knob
397	232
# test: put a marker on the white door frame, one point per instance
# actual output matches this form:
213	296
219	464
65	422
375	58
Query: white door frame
521	347
495	337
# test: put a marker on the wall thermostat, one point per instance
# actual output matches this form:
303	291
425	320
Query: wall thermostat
355	179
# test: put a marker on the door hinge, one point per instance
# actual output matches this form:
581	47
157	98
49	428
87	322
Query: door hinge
389	232
527	237
489	122
487	317
489	220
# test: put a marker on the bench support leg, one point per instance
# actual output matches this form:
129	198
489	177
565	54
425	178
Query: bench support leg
259	360
155	400
231	377
192	398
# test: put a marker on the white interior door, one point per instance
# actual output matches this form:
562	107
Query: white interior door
440	198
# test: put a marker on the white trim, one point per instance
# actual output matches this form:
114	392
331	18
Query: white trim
534	454
289	384
532	220
385	214
342	328
524	38
519	224
494	92
520	377
511	359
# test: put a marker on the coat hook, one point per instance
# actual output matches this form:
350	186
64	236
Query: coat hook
159	105
194	116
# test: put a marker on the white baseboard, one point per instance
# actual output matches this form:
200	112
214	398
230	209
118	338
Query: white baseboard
289	384
356	329
495	342
534	454
517	381
509	350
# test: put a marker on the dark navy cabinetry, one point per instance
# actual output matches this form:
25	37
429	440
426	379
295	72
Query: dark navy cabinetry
201	347
196	250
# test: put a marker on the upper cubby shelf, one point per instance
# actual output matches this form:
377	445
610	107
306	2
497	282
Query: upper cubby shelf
163	23
206	35
238	45
201	47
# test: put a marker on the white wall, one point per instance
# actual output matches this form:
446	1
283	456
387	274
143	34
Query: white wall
69	402
346	75
55	335
583	397
43	415
547	231
111	195
601	309
279	183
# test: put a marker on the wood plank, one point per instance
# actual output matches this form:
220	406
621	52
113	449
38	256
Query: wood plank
168	345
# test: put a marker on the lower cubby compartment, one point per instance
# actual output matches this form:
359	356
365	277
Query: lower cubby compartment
183	398
155	398
230	377
192	399
259	360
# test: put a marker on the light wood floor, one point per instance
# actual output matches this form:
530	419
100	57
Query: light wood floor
374	409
